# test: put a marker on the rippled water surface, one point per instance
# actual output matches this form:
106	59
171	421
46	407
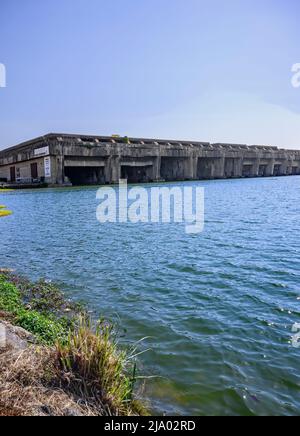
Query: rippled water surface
218	307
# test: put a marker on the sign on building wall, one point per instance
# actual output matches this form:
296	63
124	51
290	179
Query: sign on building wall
44	151
47	165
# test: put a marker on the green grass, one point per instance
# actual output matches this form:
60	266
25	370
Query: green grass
89	362
44	326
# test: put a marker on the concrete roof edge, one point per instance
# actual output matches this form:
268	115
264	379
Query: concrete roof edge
54	135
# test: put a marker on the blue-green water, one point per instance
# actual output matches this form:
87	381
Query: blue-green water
218	307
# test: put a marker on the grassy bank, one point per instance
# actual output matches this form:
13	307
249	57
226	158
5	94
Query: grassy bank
71	356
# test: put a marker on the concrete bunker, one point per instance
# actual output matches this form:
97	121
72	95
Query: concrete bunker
57	159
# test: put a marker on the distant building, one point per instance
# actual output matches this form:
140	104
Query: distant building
59	159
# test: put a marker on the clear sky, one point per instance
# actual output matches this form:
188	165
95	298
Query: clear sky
209	70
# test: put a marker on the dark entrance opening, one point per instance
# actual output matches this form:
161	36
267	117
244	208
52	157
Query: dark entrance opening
136	174
12	174
247	170
263	170
85	175
296	171
34	171
277	170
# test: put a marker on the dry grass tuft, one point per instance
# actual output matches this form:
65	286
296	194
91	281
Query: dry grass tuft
83	377
26	386
95	369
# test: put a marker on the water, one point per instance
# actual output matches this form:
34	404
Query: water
218	307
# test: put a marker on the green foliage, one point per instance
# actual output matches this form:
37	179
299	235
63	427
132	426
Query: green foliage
48	331
10	300
44	326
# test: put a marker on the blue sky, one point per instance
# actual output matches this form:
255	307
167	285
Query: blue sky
184	69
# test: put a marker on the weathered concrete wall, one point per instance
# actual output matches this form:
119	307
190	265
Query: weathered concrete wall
63	159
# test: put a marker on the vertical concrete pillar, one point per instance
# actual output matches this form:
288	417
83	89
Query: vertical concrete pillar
107	171
284	168
112	170
289	168
195	167
115	170
156	169
52	179
238	167
189	168
255	170
60	167
270	168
